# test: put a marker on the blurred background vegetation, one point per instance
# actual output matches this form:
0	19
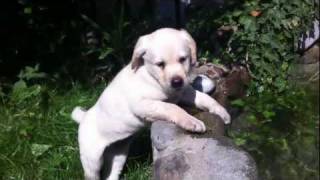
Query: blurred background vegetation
55	55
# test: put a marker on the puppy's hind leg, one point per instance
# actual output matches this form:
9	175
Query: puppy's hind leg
92	146
115	157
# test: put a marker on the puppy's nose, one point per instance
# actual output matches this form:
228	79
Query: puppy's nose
176	82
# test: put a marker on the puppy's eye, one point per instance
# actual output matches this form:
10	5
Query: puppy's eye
161	64
182	59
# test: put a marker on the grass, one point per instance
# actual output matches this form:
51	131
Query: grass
38	139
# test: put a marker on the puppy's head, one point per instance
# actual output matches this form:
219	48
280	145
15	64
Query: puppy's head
168	55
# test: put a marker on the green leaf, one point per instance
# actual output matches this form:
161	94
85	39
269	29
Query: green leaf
23	132
27	10
260	89
21	92
21	84
268	114
248	23
240	141
237	13
105	53
271	56
29	73
284	66
265	38
252	119
280	83
106	36
38	149
238	102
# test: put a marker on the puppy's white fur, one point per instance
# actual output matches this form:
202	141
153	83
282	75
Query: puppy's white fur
143	92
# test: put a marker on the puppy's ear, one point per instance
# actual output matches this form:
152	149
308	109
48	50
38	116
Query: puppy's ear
191	44
139	51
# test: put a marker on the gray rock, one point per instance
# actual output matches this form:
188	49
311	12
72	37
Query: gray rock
305	73
239	125
179	155
310	56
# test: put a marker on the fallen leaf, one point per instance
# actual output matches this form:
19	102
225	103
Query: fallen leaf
255	13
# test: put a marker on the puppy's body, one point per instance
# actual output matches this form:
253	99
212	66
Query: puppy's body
144	91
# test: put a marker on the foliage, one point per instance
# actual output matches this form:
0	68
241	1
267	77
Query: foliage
113	47
41	32
264	37
64	38
281	133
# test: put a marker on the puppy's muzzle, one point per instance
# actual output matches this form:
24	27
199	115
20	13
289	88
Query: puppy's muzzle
177	82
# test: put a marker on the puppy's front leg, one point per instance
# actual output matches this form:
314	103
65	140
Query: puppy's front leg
152	110
205	102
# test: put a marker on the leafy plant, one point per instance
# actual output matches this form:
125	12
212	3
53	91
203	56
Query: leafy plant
265	41
280	132
264	37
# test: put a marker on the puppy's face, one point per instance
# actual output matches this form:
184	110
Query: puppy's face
168	55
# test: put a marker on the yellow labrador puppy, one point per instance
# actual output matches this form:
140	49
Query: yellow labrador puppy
144	91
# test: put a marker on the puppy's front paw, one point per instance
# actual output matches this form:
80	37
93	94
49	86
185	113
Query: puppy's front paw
193	125
221	111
